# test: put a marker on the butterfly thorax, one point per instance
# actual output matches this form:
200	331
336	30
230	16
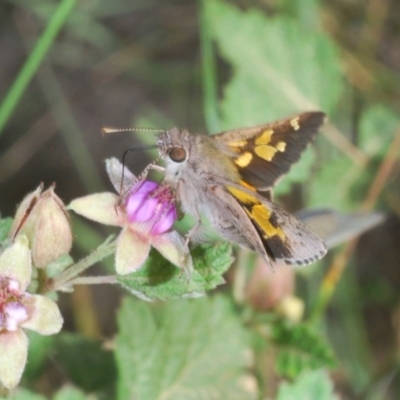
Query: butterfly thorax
192	157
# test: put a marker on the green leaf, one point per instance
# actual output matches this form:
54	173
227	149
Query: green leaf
59	265
38	353
5	226
23	394
306	12
159	279
331	186
287	66
71	393
96	367
297	174
279	67
377	127
300	347
309	385
182	350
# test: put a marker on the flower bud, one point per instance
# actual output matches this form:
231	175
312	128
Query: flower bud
291	308
267	288
42	217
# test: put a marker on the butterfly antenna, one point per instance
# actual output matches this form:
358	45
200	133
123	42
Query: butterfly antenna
107	129
132	149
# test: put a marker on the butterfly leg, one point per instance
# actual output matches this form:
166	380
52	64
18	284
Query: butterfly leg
126	190
151	166
192	232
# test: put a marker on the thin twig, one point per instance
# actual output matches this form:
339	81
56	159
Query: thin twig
383	173
93	280
344	145
104	250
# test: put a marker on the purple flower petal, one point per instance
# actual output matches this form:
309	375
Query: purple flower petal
139	205
165	221
146	187
147	210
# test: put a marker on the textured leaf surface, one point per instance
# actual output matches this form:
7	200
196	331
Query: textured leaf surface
159	279
38	353
182	350
71	393
23	394
309	386
288	67
96	367
279	68
5	226
330	191
376	130
300	348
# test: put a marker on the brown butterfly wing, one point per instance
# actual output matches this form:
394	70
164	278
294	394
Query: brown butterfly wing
285	239
263	154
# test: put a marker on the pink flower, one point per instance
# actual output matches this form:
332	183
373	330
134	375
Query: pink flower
19	309
151	205
145	212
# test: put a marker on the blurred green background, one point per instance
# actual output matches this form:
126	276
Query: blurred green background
193	64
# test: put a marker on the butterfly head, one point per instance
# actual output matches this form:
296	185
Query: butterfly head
174	146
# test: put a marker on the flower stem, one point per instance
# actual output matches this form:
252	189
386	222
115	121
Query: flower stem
42	280
93	280
104	250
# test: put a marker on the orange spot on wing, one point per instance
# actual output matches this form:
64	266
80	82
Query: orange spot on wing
265	152
258	212
264	138
281	146
246	185
244	159
261	215
238	143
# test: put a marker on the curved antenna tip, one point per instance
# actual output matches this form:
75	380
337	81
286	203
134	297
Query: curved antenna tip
107	129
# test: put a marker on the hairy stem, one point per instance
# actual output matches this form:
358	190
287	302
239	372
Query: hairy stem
103	251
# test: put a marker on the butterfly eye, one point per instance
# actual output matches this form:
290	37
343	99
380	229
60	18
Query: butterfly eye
177	154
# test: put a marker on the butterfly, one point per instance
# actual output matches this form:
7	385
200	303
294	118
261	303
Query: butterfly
229	178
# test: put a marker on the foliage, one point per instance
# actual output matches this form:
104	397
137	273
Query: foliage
300	347
159	279
187	349
310	385
96	368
